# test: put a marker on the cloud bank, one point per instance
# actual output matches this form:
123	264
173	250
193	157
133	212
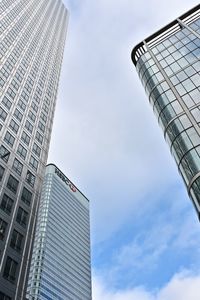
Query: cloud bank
105	137
183	286
107	141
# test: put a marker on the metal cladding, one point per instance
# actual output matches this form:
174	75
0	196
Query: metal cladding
60	266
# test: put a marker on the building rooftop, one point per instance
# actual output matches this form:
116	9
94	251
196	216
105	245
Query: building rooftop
165	32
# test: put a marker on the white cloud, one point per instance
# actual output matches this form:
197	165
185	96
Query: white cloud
105	137
162	243
183	286
102	293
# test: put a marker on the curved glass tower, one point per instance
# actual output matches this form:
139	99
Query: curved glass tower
168	64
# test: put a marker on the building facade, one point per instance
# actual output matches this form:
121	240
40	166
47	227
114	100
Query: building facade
32	36
60	266
168	64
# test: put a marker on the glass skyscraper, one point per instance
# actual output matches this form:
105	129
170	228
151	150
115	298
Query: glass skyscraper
60	266
32	37
168	64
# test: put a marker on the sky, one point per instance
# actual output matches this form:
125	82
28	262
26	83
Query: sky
144	230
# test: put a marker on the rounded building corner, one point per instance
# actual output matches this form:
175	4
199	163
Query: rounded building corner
51	164
136	53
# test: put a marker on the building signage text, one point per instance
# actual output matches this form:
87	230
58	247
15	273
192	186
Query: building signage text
66	180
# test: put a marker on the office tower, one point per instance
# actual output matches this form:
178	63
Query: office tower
168	65
60	265
32	37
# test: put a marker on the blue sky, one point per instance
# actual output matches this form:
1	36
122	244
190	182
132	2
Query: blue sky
144	230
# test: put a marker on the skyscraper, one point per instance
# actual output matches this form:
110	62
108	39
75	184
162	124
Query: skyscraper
168	64
32	37
60	266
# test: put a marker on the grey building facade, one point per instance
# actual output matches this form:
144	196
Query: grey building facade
60	266
32	37
168	64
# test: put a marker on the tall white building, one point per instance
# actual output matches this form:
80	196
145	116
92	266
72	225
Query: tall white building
60	266
32	38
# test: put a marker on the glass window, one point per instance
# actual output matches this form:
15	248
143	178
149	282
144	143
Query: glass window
22	217
170	95
41	126
196	114
182	62
189	71
12	184
176	55
24	96
25	138
1	172
197	66
18	115
196	79
16	240
32	116
39	137
18	77
9	139
36	149
195	95
3	114
17	166
29	126
6	102
168	71
6	204
181	90
22	105
175	67
34	106
186	123
188	85
43	117
182	76
45	108
4	296
10	269
194	137
174	80
176	106
33	163
21	151
196	53
14	126
4	153
3	226
11	93
30	178
26	196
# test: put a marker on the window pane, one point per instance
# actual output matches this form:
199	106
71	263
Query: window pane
16	240
10	269
3	226
26	196
1	172
6	204
12	184
17	166
4	153
22	217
